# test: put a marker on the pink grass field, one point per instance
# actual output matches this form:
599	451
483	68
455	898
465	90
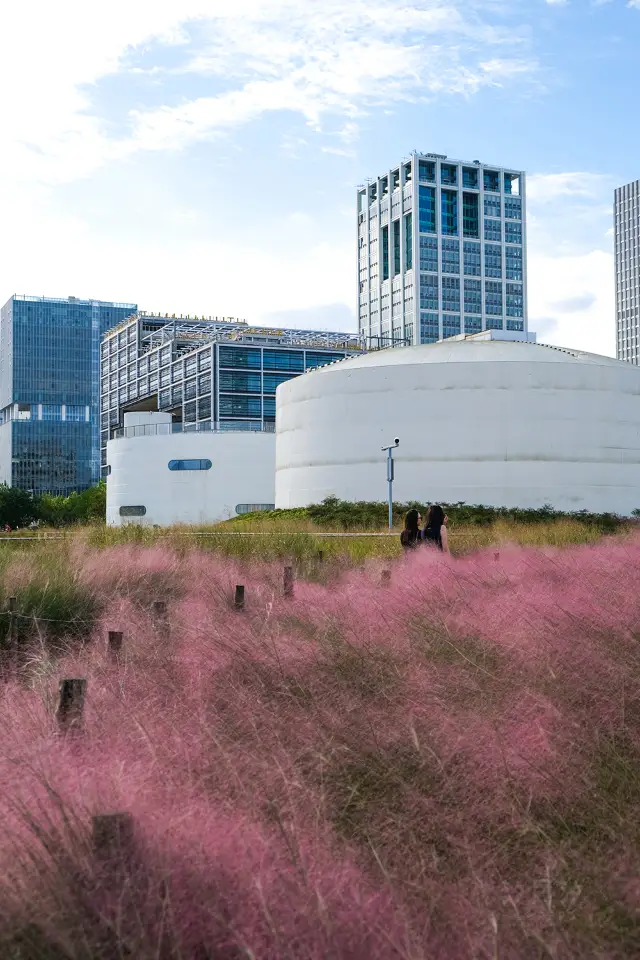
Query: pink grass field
444	768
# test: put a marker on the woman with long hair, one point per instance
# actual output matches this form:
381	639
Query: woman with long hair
410	536
435	529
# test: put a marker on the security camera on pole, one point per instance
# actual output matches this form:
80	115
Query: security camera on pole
389	452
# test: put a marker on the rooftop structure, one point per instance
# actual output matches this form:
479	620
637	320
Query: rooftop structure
209	374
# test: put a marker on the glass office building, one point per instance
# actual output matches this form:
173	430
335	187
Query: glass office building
441	251
210	374
626	224
49	390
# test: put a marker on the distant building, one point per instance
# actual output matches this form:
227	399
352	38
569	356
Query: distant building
210	375
626	219
441	251
49	390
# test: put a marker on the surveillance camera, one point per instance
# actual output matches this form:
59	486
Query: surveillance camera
397	441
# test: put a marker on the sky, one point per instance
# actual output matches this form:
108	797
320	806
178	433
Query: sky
201	157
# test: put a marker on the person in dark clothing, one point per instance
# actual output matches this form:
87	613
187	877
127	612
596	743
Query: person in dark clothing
410	536
435	529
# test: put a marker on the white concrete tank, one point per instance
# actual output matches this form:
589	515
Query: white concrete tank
489	422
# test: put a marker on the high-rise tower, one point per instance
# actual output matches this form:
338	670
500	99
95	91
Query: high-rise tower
441	251
626	222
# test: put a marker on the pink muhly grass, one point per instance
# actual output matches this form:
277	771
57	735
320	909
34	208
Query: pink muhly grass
445	767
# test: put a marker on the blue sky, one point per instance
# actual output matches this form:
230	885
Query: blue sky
201	157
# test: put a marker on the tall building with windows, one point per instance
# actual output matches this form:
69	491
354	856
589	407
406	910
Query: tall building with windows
626	222
210	375
441	251
49	390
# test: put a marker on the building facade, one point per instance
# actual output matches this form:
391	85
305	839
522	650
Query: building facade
210	375
441	251
482	419
160	476
626	223
49	390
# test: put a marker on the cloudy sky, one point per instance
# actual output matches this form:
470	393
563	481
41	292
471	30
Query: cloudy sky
201	156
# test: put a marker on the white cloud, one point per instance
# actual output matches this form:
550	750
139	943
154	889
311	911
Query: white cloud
571	294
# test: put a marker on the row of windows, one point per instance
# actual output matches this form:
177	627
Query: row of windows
449	300
138	510
449	175
450	258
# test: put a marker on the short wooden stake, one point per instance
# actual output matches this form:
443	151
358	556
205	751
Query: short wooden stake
112	837
71	706
320	556
288	581
386	578
238	600
114	644
496	557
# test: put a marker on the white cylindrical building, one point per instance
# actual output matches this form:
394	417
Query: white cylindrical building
483	421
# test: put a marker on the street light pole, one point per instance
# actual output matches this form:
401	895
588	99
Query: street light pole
390	475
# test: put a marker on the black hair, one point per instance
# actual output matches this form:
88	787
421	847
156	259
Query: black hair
411	521
435	517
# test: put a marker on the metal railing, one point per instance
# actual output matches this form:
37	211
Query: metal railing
165	429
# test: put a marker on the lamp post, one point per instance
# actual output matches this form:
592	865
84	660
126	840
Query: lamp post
390	472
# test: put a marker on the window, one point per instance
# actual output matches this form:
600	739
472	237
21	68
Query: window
492	207
492	260
451	294
132	511
472	263
473	296
385	253
451	256
513	263
239	357
204	408
273	380
429	253
240	406
428	291
512	208
470	177
513	232
470	221
190	464
493	298
492	181
408	241
449	174
426	210
449	212
240	382
515	300
253	508
426	170
314	360
493	230
429	328
472	324
450	326
108	470
396	247
284	360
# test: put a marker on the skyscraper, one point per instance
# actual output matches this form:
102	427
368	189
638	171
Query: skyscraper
49	391
626	221
441	251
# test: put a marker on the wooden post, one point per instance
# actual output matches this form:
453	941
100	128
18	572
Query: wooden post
71	706
320	556
114	644
288	582
112	837
238	600
386	578
496	557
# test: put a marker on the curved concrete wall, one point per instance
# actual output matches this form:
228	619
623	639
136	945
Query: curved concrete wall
242	472
503	424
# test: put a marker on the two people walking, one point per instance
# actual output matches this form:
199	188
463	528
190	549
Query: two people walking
434	532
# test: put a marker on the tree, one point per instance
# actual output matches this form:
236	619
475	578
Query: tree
17	507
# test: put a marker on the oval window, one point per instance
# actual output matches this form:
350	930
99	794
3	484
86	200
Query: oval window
190	464
134	511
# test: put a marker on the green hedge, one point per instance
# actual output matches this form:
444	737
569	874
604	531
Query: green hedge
363	515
